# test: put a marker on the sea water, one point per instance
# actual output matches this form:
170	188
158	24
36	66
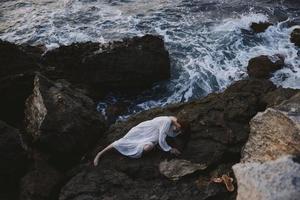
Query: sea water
209	41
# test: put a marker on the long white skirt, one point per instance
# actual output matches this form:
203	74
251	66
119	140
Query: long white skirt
148	132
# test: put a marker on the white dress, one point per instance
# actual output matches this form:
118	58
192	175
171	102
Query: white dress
148	132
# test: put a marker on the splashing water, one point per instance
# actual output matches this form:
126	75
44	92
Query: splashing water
210	42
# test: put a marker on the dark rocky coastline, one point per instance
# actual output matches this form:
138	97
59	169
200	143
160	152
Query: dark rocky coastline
50	130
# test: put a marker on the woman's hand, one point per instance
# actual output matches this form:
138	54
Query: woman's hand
175	151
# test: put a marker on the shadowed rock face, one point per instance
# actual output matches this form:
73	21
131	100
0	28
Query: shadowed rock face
13	160
295	37
219	128
263	66
62	121
14	90
16	77
130	65
41	183
14	59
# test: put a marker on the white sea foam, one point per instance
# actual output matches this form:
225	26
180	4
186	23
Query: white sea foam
241	22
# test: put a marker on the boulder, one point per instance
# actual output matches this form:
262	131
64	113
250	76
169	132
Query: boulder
41	183
271	180
176	168
129	65
295	37
263	66
219	129
13	159
260	26
274	132
61	121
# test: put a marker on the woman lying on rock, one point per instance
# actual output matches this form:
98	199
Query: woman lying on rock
144	136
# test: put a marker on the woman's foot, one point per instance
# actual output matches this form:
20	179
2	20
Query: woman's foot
96	160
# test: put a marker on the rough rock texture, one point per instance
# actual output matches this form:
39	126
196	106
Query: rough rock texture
274	132
263	66
279	95
260	27
41	183
219	129
176	168
14	59
14	90
62	121
16	77
295	37
272	180
130	65
12	158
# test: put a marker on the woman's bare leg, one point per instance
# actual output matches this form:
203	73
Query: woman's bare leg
109	147
148	147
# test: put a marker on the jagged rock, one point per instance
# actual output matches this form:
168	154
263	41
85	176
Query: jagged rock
263	66
176	168
62	121
279	95
272	180
219	129
14	90
274	132
41	183
295	37
260	26
16	76
13	159
131	65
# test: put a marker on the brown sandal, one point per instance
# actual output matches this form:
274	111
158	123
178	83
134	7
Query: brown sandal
228	182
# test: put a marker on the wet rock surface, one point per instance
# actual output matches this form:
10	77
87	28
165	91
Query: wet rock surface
260	27
61	121
263	66
295	37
